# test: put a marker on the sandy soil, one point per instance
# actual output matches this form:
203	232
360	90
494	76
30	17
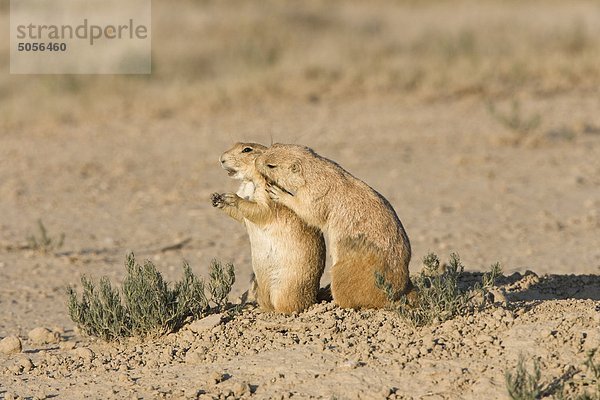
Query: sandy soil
128	165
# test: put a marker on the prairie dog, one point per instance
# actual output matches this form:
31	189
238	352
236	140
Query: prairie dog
288	256
365	235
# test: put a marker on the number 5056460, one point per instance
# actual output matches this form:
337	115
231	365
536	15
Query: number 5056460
50	46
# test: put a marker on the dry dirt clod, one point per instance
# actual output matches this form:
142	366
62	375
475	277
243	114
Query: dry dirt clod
415	352
194	357
41	335
240	389
187	336
15	369
484	339
10	345
26	364
216	377
84	353
385	392
67	345
205	323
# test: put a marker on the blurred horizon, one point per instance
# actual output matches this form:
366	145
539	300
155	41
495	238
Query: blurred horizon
211	56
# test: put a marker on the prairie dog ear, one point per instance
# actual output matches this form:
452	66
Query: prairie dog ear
295	167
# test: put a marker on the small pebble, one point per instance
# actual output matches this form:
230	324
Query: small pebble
26	364
385	392
216	377
84	353
15	369
240	389
350	364
10	396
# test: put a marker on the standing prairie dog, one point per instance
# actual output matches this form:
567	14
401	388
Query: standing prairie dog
364	233
288	256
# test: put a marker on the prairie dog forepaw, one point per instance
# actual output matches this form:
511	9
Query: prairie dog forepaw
275	193
230	199
217	200
225	199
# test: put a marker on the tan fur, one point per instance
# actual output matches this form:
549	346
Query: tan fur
365	234
288	256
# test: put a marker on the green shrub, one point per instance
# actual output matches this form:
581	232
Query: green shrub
594	370
42	241
522	384
100	311
221	281
440	295
147	305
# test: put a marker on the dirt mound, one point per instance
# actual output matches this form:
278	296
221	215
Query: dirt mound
323	352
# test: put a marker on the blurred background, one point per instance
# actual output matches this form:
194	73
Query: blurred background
209	57
478	120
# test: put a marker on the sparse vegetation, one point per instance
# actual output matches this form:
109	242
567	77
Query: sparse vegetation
221	281
249	56
563	133
523	384
42	241
147	305
594	369
440	296
515	119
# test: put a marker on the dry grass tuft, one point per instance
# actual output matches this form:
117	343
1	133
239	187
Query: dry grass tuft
42	241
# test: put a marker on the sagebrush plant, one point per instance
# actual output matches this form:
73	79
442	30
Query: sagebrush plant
594	370
100	311
43	241
221	281
147	305
440	297
523	384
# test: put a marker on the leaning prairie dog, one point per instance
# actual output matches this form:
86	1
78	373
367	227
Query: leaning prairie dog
288	256
364	233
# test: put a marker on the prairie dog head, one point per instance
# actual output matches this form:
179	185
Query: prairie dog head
286	165
239	160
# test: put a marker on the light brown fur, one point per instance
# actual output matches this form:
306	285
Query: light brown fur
365	234
288	256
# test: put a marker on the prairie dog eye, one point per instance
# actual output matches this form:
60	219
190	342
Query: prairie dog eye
271	166
247	150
